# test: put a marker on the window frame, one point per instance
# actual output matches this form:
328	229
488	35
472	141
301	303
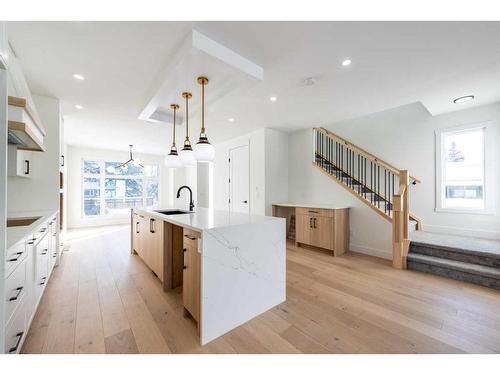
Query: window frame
488	172
102	175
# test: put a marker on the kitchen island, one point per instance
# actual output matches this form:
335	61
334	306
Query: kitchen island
231	266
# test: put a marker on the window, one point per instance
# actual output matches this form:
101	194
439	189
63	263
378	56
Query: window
109	190
464	170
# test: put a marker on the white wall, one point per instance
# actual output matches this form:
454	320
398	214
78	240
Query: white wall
268	151
405	138
41	192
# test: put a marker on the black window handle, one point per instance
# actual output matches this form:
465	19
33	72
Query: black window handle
18	341
26	167
16	258
19	290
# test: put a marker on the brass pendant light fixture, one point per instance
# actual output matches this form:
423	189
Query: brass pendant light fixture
203	150
187	154
172	160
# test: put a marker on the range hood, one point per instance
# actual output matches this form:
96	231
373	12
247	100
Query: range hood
25	128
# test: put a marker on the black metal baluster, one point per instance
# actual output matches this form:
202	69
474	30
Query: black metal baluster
378	184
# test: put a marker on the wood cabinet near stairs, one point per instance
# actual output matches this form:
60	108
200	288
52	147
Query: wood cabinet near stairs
325	228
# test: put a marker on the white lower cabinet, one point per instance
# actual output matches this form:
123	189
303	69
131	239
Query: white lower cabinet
29	264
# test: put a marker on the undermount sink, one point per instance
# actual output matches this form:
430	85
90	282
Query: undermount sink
174	212
21	221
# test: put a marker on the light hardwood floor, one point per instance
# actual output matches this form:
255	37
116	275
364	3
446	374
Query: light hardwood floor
103	300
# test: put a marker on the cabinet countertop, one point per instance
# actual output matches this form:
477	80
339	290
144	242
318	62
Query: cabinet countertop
204	218
312	205
16	234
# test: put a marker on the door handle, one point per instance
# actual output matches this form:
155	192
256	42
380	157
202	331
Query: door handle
244	201
137	227
152	225
18	341
19	290
26	167
15	259
310	222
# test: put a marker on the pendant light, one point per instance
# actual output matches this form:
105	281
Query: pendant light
111	169
203	150
172	160
187	154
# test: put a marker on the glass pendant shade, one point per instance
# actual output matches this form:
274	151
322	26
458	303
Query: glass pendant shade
187	158
172	160
203	150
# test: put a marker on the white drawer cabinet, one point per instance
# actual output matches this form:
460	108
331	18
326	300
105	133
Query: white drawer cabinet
28	265
16	330
15	290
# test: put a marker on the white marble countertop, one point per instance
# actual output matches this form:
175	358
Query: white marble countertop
311	205
204	218
16	234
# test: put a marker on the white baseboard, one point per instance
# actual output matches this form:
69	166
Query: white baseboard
379	253
492	235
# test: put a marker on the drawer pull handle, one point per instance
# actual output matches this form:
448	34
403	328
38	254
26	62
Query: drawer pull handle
19	290
43	230
190	237
44	252
313	212
44	279
15	259
184	267
18	341
184	250
314	222
31	242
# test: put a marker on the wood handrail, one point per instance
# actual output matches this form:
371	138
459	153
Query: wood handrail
365	153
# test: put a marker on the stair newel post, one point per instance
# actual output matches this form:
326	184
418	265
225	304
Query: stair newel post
404	178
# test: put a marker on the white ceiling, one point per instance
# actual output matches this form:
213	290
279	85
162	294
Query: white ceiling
394	63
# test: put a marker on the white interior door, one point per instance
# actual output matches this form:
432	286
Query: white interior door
239	180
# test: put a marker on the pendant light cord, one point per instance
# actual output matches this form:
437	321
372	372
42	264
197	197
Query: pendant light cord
173	141
203	108
187	118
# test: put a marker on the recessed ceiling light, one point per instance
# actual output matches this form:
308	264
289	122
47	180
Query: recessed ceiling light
78	77
230	119
78	106
463	99
273	98
346	62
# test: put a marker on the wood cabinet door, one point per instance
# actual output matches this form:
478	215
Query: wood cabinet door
303	227
191	277
321	233
155	243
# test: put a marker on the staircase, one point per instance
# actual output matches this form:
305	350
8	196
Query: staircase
378	184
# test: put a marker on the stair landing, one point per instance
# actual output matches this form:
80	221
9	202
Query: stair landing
457	243
468	259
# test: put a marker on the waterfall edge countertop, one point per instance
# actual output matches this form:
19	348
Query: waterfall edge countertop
204	218
18	233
